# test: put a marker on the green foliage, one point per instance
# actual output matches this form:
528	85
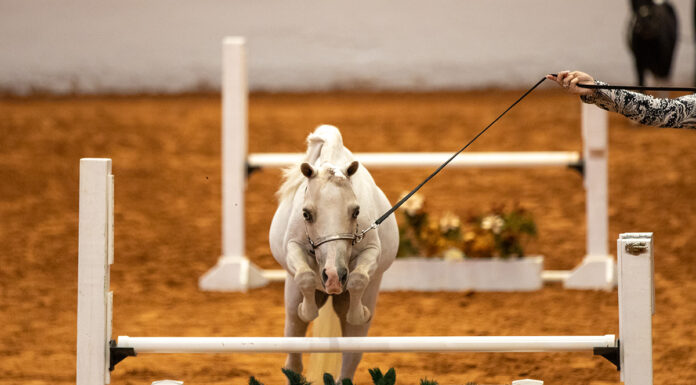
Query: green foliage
387	379
407	248
329	379
254	381
518	223
378	378
295	378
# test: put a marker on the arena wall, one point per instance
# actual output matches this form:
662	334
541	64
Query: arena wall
307	45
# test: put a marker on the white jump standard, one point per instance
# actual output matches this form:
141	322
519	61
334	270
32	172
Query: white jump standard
97	353
234	271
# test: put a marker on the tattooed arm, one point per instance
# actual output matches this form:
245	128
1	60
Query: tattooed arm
645	109
676	113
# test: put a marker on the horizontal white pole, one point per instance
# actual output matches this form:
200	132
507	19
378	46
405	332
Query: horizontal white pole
274	275
555	275
364	344
432	159
279	275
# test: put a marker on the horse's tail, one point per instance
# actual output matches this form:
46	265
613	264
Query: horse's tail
324	144
326	325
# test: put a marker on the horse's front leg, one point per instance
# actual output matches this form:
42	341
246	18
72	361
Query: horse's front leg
358	280
306	280
294	325
341	305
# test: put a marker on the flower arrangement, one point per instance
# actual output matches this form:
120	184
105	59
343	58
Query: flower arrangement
500	233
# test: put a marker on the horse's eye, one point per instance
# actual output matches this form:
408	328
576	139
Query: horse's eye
307	215
356	212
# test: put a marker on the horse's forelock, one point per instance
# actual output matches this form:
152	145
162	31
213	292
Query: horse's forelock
334	174
293	178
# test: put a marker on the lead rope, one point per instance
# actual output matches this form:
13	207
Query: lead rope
634	88
403	200
361	235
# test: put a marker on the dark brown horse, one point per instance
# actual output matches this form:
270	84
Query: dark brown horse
652	36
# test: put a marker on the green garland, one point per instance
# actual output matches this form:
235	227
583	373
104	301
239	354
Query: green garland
388	378
378	378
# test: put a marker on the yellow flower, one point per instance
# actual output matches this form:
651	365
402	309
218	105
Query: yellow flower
483	246
453	254
469	236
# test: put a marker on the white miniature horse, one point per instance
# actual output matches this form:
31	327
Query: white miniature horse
323	203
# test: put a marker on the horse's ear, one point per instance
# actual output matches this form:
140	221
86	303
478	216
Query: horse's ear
352	168
307	170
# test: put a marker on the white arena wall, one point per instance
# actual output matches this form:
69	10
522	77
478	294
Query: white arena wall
130	46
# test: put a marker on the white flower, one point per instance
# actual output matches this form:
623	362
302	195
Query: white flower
448	222
487	222
414	204
493	223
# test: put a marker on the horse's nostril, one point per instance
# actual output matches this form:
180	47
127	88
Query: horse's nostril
324	276
343	275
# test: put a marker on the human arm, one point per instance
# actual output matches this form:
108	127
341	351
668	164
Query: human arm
644	109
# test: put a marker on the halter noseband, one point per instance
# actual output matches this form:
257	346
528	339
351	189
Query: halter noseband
352	237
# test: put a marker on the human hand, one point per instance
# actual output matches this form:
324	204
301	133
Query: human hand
570	80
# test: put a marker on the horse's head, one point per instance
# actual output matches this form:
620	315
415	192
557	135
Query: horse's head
330	212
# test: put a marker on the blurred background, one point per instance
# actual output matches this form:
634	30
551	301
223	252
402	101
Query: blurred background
130	46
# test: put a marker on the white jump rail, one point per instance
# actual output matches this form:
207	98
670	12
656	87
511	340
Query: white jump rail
434	159
234	271
497	344
97	353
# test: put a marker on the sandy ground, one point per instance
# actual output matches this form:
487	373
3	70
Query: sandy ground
166	153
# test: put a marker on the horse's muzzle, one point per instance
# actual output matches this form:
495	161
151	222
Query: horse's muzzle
334	280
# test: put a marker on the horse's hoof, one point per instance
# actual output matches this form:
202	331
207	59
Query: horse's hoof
306	315
361	318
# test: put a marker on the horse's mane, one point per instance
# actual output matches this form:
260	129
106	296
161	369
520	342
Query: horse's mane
292	179
323	145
